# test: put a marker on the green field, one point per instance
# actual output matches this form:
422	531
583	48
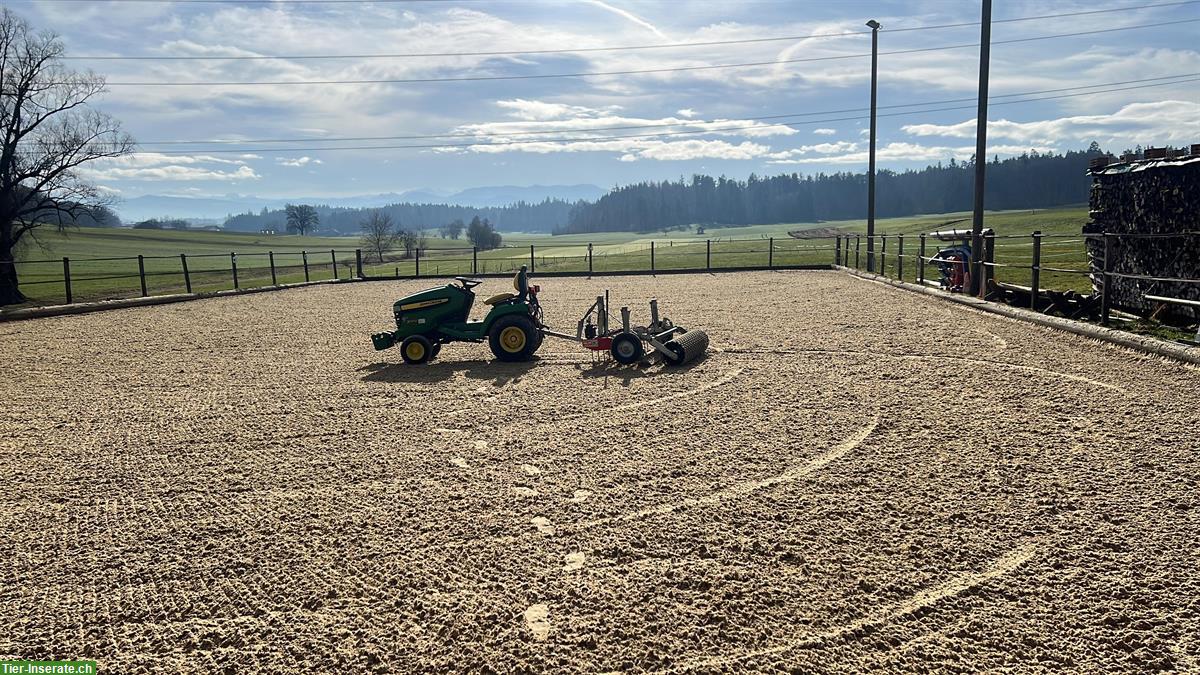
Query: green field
1062	246
103	261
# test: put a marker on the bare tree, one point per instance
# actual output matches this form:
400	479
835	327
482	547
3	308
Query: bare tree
378	234
49	132
410	239
301	219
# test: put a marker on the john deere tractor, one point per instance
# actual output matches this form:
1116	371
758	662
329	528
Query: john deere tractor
431	318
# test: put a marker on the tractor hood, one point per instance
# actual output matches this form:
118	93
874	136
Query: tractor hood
425	310
430	297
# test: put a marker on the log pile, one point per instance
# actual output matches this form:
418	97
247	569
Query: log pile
1156	196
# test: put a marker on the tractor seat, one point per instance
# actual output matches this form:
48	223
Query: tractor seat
499	298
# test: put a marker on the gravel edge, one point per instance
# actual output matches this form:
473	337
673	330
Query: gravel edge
123	303
1139	342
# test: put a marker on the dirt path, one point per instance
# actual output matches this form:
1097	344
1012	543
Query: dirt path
855	478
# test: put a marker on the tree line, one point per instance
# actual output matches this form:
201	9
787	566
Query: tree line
544	216
380	235
1032	180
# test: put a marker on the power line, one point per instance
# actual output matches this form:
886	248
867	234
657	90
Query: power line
644	71
685	123
583	50
596	139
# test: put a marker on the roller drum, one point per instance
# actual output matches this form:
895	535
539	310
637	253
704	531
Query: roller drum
688	346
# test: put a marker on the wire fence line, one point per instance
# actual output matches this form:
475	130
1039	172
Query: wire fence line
69	280
1040	267
1014	270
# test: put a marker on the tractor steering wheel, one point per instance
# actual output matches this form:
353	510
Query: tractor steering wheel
468	283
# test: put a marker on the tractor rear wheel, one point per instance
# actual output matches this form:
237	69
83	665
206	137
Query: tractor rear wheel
627	349
416	349
513	338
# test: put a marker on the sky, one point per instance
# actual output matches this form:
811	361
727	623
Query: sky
819	84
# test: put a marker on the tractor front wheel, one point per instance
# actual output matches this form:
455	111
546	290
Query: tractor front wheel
416	349
513	338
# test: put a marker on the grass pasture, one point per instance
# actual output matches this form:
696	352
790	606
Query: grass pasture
103	261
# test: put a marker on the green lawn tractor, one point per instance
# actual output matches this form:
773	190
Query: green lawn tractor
431	318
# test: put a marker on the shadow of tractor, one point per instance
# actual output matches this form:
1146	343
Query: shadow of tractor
500	373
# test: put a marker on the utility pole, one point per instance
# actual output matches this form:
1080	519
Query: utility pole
985	52
874	25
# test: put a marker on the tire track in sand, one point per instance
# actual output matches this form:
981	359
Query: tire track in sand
958	585
926	357
744	488
737	490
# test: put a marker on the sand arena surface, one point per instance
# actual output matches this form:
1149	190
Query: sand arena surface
855	478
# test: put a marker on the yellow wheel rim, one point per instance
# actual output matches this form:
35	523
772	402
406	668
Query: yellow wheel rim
414	351
512	339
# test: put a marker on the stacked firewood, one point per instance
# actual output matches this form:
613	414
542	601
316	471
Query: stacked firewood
1156	197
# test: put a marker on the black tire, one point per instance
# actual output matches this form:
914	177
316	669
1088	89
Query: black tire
513	338
627	349
539	338
416	349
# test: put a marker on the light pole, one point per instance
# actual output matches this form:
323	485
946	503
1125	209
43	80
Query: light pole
874	26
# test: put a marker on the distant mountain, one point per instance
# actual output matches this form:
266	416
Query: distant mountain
206	208
504	195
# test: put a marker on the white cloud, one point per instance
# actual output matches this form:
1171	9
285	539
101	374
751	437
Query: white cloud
297	161
172	172
559	121
904	152
636	149
151	166
686	112
824	131
1155	123
628	15
542	110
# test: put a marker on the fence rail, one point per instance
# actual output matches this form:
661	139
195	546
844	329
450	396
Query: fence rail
1037	265
78	279
1014	267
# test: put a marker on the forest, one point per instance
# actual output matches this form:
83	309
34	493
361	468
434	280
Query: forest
520	217
1031	180
1028	181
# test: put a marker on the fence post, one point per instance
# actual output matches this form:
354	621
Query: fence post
652	257
589	259
417	270
882	256
474	260
986	265
857	249
358	261
1106	298
708	254
333	257
531	258
142	274
67	278
837	250
233	268
921	261
1035	270
187	277
900	257
304	256
271	257
771	253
